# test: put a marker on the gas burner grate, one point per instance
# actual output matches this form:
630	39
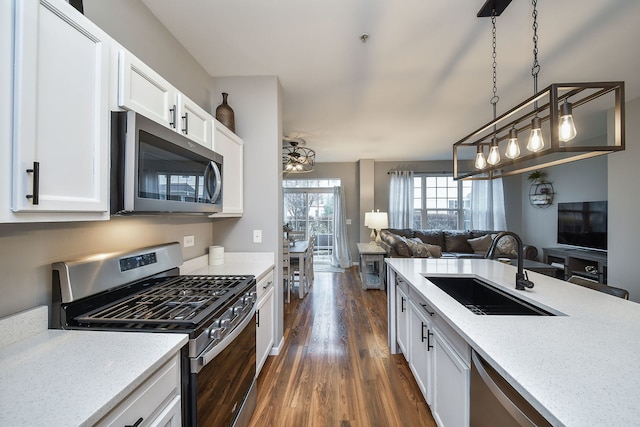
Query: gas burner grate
179	300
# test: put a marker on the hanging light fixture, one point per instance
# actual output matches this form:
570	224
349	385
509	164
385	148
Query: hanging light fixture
547	114
297	159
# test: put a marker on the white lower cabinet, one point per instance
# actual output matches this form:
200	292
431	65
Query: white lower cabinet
156	402
438	356
265	320
452	375
421	349
402	319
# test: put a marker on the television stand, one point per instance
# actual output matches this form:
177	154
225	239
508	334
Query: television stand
579	262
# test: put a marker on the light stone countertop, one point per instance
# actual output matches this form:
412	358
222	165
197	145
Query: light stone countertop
72	378
235	263
578	368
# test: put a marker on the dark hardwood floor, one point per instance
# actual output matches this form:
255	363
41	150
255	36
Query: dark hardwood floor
335	368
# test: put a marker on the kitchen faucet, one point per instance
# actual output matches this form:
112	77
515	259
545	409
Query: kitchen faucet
522	279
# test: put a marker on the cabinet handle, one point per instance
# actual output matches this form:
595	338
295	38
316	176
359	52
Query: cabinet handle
431	313
269	283
402	304
185	119
422	337
173	112
429	345
257	318
35	189
136	424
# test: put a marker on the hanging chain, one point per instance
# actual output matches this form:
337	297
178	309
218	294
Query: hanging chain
535	69
494	100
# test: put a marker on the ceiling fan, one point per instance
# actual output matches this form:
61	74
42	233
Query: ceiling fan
295	157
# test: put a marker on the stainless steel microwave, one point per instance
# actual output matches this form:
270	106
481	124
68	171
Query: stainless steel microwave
156	170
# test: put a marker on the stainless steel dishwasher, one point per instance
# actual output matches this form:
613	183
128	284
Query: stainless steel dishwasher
494	402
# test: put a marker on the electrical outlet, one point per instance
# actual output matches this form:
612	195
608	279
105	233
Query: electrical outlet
189	241
257	236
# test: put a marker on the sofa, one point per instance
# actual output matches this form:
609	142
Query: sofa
410	243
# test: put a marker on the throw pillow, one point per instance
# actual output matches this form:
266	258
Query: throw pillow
506	246
480	245
398	243
434	250
417	248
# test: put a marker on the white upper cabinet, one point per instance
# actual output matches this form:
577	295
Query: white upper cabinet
144	91
195	122
231	147
60	143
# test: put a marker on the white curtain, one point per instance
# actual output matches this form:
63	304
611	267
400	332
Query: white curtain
487	205
401	199
340	255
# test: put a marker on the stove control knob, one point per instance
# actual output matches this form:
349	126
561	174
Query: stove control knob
215	333
224	323
237	310
248	299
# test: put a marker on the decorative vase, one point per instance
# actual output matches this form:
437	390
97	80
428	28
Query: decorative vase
224	114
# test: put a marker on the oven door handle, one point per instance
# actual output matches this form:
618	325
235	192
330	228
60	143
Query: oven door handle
197	363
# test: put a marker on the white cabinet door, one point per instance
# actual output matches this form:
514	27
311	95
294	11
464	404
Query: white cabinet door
265	320
422	349
195	123
402	321
451	398
142	90
61	112
157	399
231	147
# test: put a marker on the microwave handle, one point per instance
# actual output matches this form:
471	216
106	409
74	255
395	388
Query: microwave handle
218	180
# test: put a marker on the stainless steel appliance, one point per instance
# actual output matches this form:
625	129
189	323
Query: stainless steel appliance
141	290
494	402
155	169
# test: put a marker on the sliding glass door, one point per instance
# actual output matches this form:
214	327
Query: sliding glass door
308	210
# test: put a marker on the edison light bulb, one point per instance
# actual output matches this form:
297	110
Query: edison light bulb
536	142
513	148
494	153
567	129
481	162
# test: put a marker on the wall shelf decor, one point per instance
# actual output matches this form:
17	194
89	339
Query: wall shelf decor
541	194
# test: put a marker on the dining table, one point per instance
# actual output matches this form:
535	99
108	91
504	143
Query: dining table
299	251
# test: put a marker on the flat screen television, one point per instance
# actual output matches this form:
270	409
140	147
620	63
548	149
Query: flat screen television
583	224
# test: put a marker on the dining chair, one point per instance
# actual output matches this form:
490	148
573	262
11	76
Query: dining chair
286	269
600	287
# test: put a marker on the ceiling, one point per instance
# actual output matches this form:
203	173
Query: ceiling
422	80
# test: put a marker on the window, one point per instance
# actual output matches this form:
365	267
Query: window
440	202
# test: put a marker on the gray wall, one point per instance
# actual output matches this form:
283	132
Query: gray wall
256	102
580	181
624	207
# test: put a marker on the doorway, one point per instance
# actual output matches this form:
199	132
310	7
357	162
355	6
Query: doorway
308	210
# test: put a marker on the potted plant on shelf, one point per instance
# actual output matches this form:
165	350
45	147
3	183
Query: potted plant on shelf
541	191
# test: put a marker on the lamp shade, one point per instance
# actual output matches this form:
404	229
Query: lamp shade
378	220
367	218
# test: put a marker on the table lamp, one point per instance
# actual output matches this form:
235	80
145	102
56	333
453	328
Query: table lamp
378	221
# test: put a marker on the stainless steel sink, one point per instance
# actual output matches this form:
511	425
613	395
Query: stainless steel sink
482	298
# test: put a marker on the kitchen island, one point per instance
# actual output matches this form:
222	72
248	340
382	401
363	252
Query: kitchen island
579	367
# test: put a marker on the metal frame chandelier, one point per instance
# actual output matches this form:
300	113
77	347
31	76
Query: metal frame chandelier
549	115
297	159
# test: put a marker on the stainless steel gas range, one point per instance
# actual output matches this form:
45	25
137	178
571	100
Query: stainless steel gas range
141	290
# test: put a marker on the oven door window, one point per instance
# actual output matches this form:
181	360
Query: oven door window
169	172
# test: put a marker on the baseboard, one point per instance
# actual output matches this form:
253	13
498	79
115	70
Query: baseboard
275	350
